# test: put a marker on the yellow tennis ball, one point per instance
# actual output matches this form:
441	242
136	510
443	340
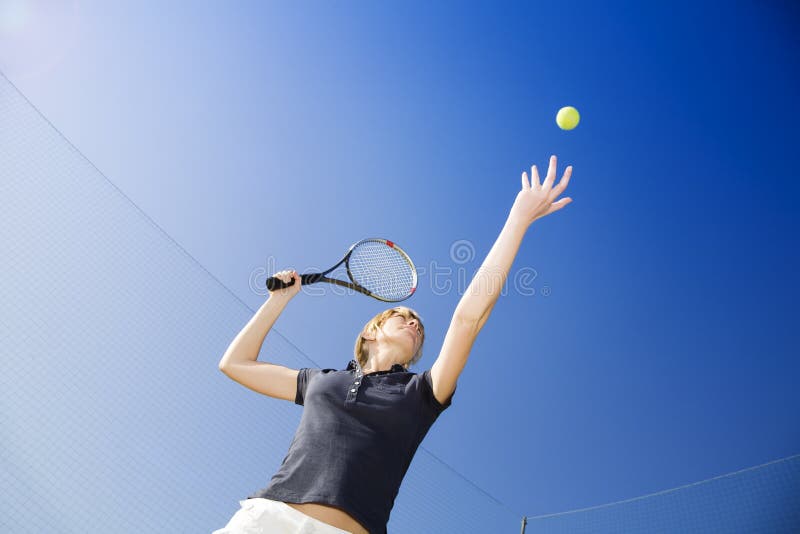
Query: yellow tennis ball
568	118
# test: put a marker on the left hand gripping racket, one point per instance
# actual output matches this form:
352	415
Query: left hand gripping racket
376	267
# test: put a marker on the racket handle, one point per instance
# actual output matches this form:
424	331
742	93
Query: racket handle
274	283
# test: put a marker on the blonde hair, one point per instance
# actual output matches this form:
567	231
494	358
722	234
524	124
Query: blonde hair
362	349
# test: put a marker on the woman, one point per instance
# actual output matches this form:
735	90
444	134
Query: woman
361	426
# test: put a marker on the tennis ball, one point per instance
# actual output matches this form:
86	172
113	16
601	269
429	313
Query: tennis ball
568	118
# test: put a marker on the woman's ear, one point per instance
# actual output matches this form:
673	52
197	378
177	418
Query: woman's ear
369	336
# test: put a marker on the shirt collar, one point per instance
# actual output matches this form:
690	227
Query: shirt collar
396	368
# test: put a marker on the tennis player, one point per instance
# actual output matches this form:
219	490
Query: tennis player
361	426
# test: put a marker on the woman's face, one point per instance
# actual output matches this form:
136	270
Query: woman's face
402	331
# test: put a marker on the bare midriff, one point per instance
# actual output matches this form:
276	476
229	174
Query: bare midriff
331	515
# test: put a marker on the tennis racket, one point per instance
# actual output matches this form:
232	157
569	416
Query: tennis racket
376	267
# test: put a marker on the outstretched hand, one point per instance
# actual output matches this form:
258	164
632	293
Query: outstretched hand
536	200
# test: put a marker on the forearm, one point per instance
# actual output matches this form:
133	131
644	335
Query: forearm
484	289
247	343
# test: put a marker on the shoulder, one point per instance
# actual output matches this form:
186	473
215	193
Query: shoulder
428	387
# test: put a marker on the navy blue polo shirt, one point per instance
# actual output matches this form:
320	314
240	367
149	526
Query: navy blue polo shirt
356	438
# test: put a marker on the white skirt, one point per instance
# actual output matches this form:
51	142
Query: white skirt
266	516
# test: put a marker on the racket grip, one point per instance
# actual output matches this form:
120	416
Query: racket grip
274	283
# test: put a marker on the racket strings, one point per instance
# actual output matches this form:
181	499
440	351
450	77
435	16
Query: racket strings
382	270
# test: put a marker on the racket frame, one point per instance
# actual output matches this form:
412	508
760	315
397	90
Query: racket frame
317	277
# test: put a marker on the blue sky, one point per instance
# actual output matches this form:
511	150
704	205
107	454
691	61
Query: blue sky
659	347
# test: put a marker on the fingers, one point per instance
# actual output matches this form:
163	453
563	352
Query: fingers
535	175
549	178
557	190
551	173
555	206
286	276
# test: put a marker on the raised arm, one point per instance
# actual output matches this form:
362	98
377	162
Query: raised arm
240	361
533	201
247	344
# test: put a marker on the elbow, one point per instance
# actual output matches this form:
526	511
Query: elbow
227	359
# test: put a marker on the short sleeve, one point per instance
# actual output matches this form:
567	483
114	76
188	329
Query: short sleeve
427	386
304	377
